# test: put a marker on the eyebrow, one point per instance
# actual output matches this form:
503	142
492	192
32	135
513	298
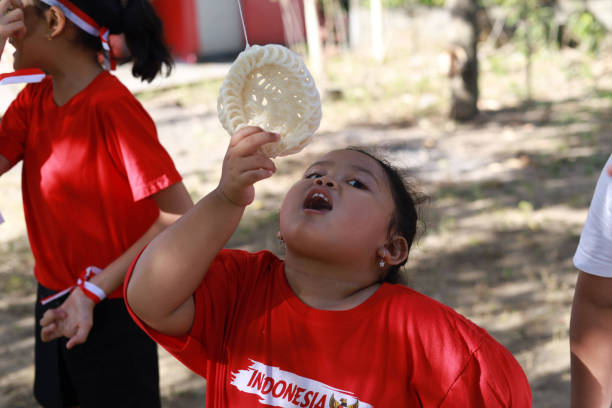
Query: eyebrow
354	166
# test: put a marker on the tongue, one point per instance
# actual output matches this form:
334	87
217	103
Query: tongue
317	203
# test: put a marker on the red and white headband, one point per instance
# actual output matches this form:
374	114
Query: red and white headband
82	20
87	24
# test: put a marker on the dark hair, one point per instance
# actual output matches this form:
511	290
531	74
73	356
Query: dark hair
141	26
405	219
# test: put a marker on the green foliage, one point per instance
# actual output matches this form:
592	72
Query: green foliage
408	3
532	20
587	30
432	3
394	3
533	23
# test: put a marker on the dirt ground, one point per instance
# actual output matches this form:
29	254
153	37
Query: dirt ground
508	195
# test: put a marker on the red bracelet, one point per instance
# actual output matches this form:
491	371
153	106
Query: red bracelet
91	290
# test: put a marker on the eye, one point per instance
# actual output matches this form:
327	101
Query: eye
313	176
357	184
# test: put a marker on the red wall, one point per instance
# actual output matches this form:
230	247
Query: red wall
180	26
264	22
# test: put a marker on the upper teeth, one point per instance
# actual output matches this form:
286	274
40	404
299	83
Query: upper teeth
320	196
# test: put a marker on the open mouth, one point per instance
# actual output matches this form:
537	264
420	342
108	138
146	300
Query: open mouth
318	200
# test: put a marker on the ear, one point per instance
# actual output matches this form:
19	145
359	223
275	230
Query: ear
56	21
395	251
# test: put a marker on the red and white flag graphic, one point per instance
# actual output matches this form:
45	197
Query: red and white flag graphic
22	76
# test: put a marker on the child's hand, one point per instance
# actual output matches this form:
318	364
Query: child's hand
73	319
11	20
244	164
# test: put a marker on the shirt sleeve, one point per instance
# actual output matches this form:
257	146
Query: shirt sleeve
491	378
133	143
215	300
14	127
594	252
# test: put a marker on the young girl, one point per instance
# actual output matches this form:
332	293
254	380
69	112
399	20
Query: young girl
97	186
323	328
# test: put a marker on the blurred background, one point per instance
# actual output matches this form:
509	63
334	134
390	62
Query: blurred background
500	111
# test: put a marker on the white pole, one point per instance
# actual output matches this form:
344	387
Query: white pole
354	26
313	38
378	51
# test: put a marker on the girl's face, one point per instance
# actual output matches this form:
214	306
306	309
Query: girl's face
31	47
340	210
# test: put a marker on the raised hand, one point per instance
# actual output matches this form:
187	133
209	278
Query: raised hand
73	319
244	164
11	21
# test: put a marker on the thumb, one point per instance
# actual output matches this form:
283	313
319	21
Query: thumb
79	338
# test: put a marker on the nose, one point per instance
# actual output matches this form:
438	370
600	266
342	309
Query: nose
325	181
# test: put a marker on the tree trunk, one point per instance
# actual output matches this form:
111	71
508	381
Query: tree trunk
313	37
464	59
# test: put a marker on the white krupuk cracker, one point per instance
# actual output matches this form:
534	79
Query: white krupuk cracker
269	86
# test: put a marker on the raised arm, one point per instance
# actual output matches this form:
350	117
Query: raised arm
591	342
171	268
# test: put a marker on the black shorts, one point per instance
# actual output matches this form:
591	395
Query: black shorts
116	367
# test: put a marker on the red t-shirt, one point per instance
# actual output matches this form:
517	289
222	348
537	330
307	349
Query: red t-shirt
258	344
89	169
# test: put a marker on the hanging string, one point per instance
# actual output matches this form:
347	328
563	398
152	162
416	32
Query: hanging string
246	39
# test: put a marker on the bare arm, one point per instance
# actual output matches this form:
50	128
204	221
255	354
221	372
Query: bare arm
173	202
591	342
5	165
74	318
173	265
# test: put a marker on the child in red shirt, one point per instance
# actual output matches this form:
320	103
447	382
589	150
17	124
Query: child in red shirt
326	327
97	186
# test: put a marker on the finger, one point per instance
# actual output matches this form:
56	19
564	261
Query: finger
610	171
253	176
12	23
12	28
243	133
255	162
51	316
251	144
79	338
49	332
12	16
6	5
